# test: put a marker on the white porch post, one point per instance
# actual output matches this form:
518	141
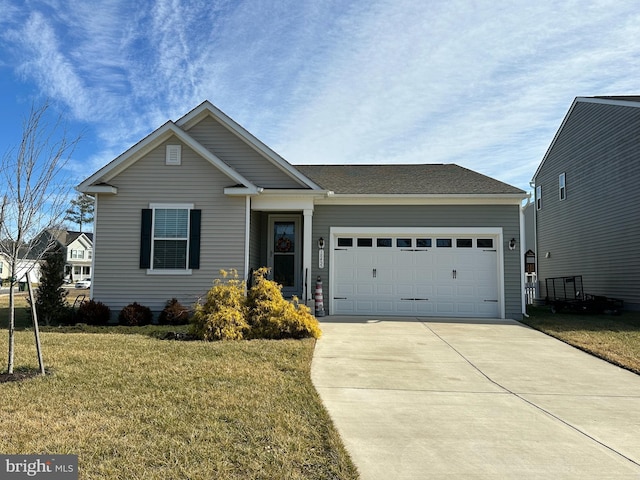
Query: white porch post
307	254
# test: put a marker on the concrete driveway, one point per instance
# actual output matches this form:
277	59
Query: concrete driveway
440	398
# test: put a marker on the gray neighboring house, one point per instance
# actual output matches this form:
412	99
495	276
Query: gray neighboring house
202	194
587	196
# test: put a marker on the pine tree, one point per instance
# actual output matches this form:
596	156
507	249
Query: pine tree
81	211
51	302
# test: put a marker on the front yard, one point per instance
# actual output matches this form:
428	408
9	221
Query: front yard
133	407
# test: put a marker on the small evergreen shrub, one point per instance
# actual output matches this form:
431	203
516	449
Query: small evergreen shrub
93	313
272	316
222	314
135	315
174	313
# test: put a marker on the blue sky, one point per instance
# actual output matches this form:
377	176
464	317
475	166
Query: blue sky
483	84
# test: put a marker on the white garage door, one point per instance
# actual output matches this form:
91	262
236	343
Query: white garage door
449	276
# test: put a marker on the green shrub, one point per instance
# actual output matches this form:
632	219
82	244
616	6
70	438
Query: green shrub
272	316
93	313
222	315
135	315
174	313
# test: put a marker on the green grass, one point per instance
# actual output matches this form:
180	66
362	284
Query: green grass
613	338
135	407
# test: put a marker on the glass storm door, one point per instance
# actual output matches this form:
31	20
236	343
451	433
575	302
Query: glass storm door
285	254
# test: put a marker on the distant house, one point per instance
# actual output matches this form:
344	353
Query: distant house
26	263
202	194
586	199
78	249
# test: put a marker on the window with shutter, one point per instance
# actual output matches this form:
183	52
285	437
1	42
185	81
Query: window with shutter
170	239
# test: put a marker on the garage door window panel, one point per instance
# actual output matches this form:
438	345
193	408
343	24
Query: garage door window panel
444	243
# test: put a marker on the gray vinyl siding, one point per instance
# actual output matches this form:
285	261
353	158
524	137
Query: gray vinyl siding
506	217
240	156
593	232
117	278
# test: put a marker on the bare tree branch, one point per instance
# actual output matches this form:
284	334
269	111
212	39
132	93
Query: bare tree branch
35	198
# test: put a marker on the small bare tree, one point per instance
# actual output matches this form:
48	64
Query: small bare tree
34	201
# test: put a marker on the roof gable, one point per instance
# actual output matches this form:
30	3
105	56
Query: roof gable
207	109
628	101
405	179
151	141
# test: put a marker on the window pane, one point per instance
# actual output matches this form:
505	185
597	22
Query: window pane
383	242
171	223
365	242
443	243
284	270
403	242
464	243
423	242
284	237
345	242
170	254
485	243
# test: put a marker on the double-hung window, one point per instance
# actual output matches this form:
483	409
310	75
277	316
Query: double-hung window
562	186
170	239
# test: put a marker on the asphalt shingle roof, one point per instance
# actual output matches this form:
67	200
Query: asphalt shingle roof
404	179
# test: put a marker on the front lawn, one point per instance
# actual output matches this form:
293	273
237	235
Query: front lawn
134	407
613	338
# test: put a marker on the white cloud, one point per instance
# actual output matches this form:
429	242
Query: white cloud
482	84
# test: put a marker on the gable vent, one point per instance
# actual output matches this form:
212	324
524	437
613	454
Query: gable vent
173	155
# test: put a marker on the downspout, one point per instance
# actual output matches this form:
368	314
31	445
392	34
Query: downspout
523	276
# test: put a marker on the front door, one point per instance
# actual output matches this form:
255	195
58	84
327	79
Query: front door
284	253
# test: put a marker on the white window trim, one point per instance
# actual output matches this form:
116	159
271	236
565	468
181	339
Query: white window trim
562	186
176	206
538	197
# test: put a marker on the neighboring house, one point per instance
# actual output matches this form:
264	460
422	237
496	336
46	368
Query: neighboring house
587	199
25	264
78	248
202	194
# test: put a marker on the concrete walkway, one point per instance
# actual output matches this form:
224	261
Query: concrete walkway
423	399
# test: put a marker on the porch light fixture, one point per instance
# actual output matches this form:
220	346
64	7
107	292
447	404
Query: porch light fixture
512	244
321	243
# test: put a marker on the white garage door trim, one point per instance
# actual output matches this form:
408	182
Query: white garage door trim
496	233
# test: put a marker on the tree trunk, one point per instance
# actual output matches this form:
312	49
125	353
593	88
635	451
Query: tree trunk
12	320
36	329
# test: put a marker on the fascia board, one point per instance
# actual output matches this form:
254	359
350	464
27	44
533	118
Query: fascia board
609	101
93	189
207	108
555	137
343	199
124	160
150	142
602	101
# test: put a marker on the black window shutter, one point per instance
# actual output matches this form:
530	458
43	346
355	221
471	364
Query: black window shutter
194	239
145	238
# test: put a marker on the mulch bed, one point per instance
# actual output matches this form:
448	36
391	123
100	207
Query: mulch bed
18	376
